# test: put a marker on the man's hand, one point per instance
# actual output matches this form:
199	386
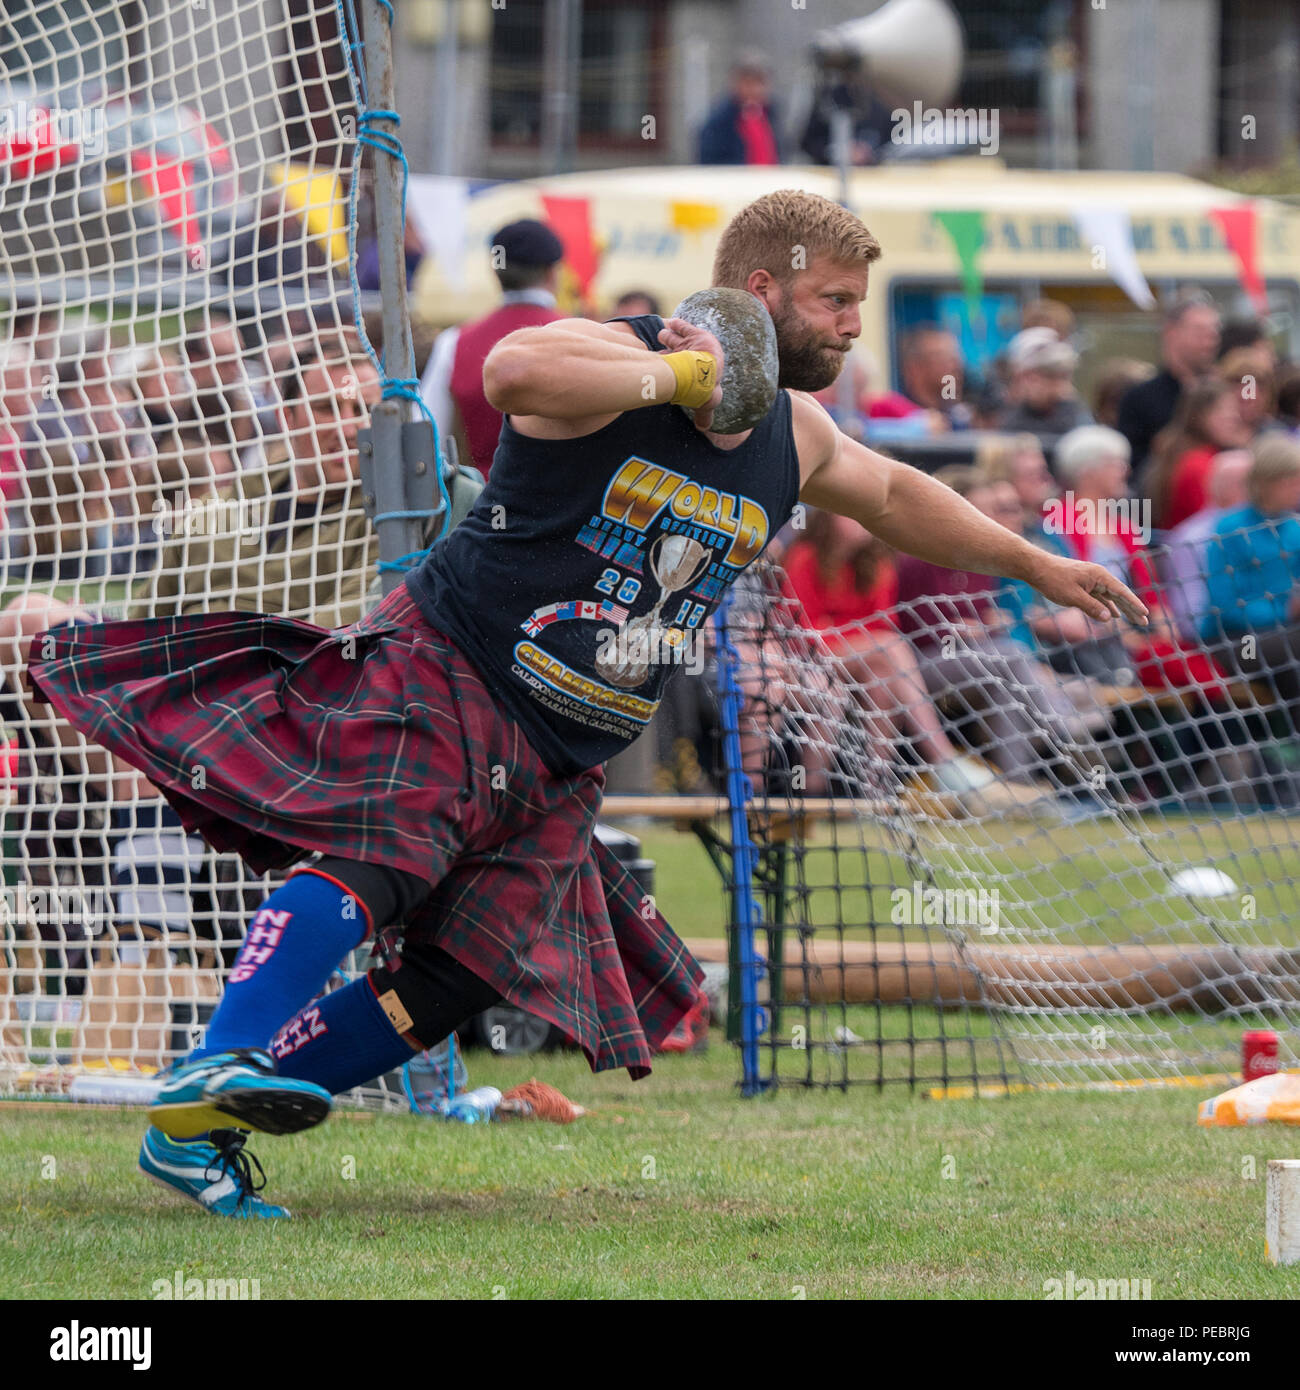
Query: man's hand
1078	584
679	336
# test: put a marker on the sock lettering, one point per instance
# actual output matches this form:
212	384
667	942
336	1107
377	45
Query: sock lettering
298	1032
263	937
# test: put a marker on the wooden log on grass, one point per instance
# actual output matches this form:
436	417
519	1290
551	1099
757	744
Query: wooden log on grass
1207	979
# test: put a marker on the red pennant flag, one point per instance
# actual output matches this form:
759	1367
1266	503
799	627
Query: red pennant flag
1240	224
570	220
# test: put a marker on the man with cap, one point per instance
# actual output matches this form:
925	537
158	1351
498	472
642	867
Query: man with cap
526	256
1043	401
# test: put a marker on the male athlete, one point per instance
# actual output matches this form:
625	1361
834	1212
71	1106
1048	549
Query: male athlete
444	754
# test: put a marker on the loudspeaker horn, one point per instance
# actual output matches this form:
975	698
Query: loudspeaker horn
912	49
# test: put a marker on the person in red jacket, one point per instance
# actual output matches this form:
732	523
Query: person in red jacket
526	257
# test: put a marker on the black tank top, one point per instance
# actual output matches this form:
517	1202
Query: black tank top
578	580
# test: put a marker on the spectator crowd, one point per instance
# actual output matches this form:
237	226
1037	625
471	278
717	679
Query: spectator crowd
1181	477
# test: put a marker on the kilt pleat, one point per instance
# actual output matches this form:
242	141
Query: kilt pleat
380	742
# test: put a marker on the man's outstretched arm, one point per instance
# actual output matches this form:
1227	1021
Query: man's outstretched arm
912	512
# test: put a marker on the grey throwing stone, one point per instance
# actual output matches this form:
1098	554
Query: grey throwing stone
743	327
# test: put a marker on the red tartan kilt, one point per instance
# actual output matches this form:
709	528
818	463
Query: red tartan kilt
380	743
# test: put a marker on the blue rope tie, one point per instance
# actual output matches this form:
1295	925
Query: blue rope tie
384	142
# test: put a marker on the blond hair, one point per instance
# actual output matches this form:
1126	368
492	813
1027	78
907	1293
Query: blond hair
995	455
1277	456
784	232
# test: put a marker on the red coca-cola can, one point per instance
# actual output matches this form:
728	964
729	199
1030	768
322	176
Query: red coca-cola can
1258	1054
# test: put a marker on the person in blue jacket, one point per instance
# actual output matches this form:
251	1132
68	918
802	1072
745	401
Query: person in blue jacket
1253	575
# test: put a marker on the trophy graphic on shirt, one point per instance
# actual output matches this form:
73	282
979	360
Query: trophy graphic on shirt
625	656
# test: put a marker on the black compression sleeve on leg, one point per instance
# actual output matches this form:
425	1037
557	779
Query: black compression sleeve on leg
438	994
389	895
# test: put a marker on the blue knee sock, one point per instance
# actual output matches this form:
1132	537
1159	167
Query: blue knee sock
341	1041
297	937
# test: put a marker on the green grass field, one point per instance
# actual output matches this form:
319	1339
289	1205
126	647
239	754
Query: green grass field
677	1188
671	1188
1090	883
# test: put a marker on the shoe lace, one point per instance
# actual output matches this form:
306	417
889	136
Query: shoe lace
233	1160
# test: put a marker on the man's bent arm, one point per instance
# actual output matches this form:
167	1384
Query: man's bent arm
574	370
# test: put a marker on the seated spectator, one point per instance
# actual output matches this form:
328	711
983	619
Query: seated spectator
230	387
1102	524
317	545
1018	459
165	388
845	582
1066	640
1251	332
967	658
1186	545
1049	313
1116	377
1189	344
1253	575
1251	372
877	416
994	398
934	375
77	460
1041	399
742	127
1046	631
1208	420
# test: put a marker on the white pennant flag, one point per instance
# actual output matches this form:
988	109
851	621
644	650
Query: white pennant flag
1110	230
437	206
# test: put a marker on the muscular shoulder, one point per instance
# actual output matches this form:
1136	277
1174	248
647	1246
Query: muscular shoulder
815	433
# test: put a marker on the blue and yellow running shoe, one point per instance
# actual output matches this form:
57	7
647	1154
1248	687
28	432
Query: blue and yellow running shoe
215	1172
236	1088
